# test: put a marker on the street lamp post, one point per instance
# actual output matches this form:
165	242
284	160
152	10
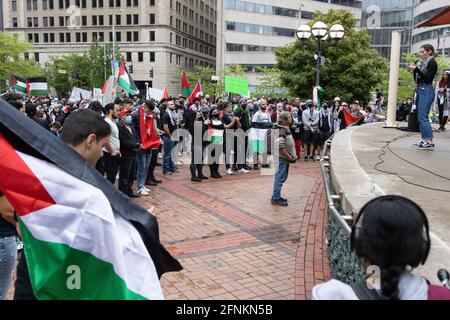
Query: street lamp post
321	33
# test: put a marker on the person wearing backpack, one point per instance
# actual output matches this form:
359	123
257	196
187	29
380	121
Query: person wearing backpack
390	233
285	145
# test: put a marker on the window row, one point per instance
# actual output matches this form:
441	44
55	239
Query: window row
260	29
33	5
248	47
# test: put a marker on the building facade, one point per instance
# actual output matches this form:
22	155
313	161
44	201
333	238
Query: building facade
248	32
381	17
157	38
438	36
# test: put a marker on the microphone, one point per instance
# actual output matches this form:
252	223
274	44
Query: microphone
444	277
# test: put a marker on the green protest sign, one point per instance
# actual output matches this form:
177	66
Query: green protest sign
236	85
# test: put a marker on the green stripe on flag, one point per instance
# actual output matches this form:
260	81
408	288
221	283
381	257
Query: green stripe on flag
38	93
50	264
258	146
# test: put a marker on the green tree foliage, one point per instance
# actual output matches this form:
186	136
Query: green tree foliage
11	50
406	84
270	83
80	70
351	71
204	74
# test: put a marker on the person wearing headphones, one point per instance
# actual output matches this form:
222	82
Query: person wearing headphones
390	233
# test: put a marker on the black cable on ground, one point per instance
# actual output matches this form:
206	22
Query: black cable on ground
383	153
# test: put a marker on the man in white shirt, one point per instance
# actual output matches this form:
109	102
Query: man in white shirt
111	153
310	118
261	121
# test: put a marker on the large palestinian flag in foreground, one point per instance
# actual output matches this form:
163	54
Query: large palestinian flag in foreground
83	239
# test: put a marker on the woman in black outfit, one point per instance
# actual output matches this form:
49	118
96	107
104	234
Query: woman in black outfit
215	137
424	74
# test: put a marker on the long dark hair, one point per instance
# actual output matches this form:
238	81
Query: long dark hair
393	235
443	83
429	48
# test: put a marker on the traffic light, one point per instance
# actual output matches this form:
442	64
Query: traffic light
150	73
130	68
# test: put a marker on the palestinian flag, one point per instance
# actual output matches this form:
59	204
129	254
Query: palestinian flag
83	239
17	84
185	85
37	87
215	135
197	92
257	136
351	121
126	82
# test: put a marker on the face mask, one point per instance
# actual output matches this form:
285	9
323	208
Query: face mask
325	107
128	120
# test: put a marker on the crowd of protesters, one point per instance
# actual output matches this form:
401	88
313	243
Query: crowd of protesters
142	132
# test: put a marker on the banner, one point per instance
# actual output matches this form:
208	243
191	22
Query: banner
80	94
155	94
236	85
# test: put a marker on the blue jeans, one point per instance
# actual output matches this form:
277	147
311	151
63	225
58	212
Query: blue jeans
143	162
8	254
425	98
168	164
280	177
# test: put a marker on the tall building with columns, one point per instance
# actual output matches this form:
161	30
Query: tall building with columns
157	38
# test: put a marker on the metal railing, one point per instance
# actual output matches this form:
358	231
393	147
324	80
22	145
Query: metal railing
344	265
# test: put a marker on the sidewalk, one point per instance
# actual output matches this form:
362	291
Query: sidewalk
234	244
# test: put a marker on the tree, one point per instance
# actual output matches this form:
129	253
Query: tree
270	83
406	84
351	71
205	74
80	70
11	50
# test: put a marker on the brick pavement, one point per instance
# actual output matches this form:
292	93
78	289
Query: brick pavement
233	244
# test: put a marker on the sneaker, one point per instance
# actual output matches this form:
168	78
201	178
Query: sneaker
311	158
306	158
279	202
148	190
426	146
284	200
246	167
418	144
318	158
196	180
143	192
230	172
243	171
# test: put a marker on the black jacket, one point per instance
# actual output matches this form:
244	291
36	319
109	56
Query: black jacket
129	141
428	76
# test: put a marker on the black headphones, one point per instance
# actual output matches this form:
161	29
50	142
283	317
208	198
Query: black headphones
355	234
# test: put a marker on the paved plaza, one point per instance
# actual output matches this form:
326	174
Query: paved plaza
233	244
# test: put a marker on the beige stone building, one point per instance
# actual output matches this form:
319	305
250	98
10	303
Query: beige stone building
158	38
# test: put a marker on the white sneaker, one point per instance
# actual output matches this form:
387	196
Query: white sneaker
318	158
243	171
230	172
143	192
148	190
